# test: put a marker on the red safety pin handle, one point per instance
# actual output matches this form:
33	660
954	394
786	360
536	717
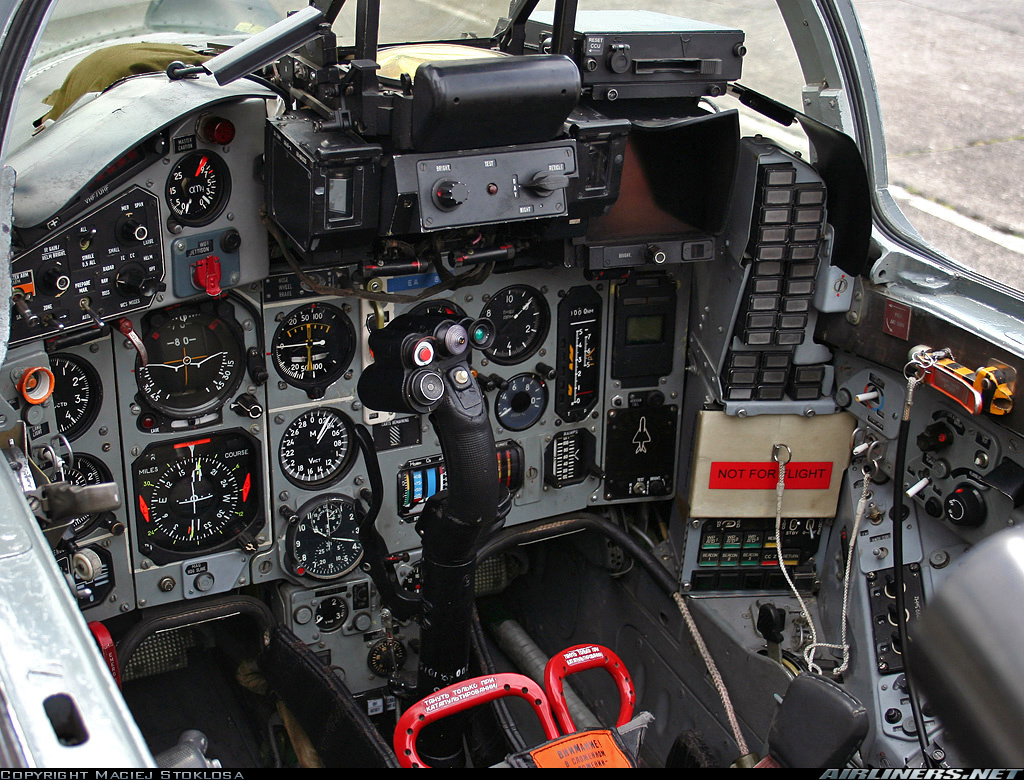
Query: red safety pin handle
576	659
463	696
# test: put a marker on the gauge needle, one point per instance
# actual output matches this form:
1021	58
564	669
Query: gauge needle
512	320
202	164
309	347
326	427
204	358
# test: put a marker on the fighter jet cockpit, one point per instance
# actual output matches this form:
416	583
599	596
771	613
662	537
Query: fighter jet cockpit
407	383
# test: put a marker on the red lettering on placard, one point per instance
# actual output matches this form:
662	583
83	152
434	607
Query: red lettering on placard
729	475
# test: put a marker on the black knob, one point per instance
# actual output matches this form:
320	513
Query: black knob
935	437
132	281
543	184
231	241
545	371
965	506
449	194
655	254
770	622
134	231
495	382
55	280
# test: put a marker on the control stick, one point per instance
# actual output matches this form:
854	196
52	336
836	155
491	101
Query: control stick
421	367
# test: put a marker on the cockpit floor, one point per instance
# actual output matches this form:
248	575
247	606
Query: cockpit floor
202	696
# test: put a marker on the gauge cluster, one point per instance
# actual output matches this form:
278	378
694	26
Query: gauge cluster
222	401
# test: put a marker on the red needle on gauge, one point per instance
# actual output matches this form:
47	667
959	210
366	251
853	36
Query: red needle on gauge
202	164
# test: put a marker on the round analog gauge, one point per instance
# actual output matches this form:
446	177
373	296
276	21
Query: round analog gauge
77	394
86	470
521	318
197	188
316	449
331	613
194	496
323	538
521	403
313	346
195	360
386	656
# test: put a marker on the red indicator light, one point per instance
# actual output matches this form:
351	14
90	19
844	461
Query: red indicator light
300	571
218	130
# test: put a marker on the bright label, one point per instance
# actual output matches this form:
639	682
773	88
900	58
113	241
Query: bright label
730	475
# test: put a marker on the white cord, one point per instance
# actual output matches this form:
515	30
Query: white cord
804	611
716	676
844	645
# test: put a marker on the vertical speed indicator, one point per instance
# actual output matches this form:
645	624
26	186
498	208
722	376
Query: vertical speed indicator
578	372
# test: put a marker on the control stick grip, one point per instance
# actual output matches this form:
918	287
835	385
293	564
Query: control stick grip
467	443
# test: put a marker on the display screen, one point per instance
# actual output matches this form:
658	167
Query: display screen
645	329
339	200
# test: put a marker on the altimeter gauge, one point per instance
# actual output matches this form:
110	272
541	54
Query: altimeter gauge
77	394
521	319
313	346
86	470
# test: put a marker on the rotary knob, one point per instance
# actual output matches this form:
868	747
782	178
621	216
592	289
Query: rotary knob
55	280
87	564
449	194
131	281
133	231
965	506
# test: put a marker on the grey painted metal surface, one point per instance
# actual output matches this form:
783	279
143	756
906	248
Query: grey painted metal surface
46	650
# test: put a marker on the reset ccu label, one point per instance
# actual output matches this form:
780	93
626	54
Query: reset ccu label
730	475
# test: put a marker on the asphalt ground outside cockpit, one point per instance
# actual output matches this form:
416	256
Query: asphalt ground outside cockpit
949	78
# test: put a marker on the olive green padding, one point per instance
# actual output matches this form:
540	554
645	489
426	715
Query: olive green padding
104	67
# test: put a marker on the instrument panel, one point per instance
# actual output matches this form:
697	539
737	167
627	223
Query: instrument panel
231	482
221	397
